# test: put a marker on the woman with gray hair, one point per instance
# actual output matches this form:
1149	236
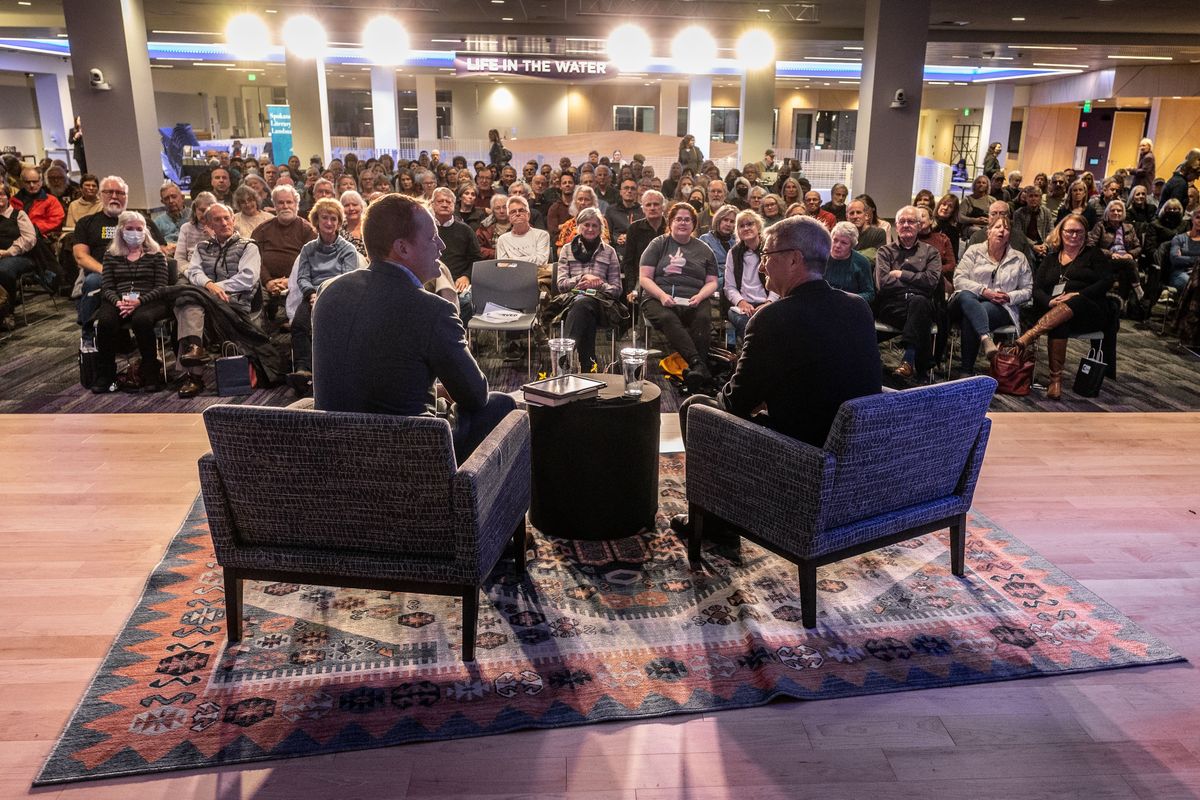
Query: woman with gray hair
743	283
132	288
589	272
250	214
848	269
584	197
1118	240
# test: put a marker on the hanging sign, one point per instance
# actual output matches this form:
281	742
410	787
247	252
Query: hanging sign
570	69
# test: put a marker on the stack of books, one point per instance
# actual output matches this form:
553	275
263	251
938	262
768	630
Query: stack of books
561	390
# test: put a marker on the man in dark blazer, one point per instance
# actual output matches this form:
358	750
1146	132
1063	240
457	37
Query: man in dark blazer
805	354
380	339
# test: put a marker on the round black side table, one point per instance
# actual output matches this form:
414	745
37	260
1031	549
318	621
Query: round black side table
595	463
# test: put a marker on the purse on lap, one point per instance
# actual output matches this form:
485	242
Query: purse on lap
1013	369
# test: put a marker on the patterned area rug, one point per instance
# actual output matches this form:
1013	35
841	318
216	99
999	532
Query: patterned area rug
599	631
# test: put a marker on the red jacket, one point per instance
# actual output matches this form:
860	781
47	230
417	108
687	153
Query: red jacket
46	213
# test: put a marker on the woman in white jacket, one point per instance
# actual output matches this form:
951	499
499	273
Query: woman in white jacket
991	282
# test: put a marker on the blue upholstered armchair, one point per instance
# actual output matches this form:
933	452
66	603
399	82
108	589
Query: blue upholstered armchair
361	500
895	465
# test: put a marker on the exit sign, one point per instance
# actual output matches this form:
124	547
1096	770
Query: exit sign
1087	106
252	77
966	112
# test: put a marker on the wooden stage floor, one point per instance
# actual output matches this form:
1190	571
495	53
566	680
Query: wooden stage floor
88	502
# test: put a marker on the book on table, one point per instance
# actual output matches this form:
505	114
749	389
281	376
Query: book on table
562	389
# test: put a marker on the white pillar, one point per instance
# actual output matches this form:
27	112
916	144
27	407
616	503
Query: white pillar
997	119
120	124
426	108
384	122
894	39
54	109
1152	126
757	113
700	110
668	108
309	100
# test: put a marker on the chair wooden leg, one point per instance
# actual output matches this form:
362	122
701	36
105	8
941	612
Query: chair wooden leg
470	601
520	546
808	594
958	545
233	605
696	518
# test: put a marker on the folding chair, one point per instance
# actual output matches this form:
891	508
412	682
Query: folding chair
513	285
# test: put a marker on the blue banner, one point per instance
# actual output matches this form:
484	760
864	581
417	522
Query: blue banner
279	119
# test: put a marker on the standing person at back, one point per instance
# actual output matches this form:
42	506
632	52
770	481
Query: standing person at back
380	339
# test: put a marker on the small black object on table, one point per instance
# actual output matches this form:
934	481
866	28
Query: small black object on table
595	463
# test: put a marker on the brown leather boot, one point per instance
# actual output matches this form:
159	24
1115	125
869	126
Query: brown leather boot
1056	316
1056	350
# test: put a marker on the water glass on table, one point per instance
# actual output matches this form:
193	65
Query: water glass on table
633	368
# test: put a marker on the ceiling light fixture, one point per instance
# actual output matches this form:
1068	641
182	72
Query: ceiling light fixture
1064	66
385	41
248	38
832	58
1039	47
303	36
1142	58
694	49
756	49
851	48
1018	19
628	47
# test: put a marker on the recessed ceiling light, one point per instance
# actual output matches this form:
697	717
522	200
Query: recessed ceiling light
270	11
851	48
506	19
1176	97
939	83
764	11
961	83
190	33
1143	58
960	56
1018	19
831	58
1039	47
1064	66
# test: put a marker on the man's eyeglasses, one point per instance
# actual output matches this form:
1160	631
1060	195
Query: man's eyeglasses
113	192
33	181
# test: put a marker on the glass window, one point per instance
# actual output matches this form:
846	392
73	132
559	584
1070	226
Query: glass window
633	118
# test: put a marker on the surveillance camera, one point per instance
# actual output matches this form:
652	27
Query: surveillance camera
97	80
899	100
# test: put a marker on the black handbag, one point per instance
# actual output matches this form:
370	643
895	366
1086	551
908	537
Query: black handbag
1090	375
235	373
88	361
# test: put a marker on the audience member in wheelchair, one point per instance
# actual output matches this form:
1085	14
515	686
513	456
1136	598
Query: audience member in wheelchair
991	283
226	266
1118	240
325	257
744	284
589	274
17	238
134	282
1184	255
1069	294
678	280
848	269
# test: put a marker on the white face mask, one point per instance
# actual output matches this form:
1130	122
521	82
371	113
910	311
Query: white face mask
133	238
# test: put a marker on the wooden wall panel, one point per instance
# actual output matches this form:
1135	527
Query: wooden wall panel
1048	139
1178	131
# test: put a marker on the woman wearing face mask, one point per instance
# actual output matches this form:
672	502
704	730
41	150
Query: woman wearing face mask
132	286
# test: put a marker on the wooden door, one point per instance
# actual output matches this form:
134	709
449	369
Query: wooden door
1127	130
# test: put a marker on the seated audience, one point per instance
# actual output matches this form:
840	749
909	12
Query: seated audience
1034	221
848	269
493	226
678	279
42	208
192	232
870	237
812	207
1184	255
250	214
907	273
278	243
17	238
174	214
991	283
522	242
466	209
133	288
583	197
622	213
86	204
321	259
720	238
772	209
353	205
1077	203
641	233
837	201
92	237
1118	240
714	199
380	340
227	267
1069	294
945	220
460	251
589	272
744	287
973	208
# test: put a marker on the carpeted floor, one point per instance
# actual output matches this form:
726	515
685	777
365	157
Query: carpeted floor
596	631
39	374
